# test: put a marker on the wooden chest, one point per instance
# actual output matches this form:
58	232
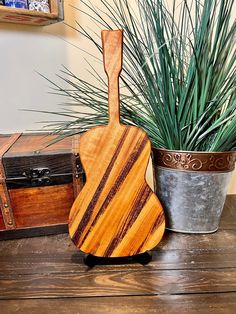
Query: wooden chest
37	185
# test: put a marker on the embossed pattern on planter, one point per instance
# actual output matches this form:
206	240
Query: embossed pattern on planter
193	201
195	161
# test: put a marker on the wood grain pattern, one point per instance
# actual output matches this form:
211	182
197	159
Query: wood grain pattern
72	262
59	164
27	144
37	202
30	17
42	254
18	11
4	142
9	141
116	213
5	203
42	206
188	274
126	282
3	139
2	225
223	303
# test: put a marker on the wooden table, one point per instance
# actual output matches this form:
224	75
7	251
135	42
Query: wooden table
188	274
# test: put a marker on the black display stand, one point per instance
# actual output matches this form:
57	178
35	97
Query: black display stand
143	259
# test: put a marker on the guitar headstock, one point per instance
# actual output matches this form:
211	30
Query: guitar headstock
112	42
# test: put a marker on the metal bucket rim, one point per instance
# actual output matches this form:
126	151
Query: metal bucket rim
194	161
229	152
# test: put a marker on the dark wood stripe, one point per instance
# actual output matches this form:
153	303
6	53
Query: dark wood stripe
160	219
115	188
142	197
89	211
138	206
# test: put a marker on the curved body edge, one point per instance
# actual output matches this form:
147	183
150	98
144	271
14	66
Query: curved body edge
116	213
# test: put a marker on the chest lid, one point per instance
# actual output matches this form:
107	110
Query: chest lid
30	162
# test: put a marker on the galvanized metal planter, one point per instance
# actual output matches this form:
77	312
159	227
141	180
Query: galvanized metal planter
192	187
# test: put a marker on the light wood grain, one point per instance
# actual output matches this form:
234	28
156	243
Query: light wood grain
116	213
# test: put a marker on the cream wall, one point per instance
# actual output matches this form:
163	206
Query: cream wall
26	50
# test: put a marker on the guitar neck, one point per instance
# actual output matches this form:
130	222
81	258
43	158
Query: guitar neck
112	42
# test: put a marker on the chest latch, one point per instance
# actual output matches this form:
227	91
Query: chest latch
38	176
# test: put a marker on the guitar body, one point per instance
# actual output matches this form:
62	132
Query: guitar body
116	213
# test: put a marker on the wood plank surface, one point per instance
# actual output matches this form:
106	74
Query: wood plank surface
220	303
188	274
163	260
23	255
220	240
116	283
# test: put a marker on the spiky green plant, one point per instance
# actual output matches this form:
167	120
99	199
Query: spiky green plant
178	73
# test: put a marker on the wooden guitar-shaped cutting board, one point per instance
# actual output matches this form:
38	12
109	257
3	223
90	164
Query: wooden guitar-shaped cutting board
116	213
